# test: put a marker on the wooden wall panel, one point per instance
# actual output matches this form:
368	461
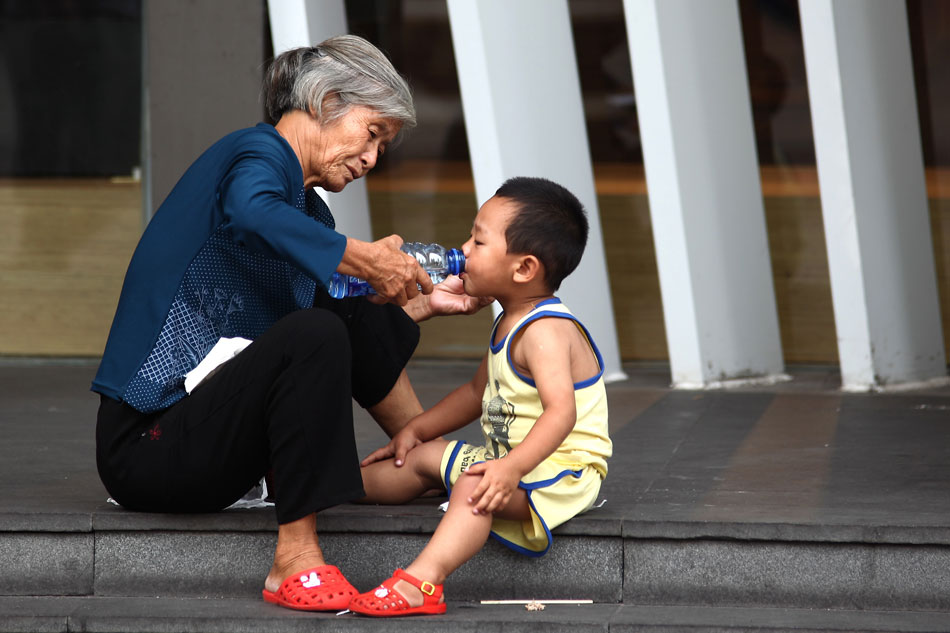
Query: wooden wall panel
65	245
64	248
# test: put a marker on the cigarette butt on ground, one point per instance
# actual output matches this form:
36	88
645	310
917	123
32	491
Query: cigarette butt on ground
537	602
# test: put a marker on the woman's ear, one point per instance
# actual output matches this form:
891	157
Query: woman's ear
528	268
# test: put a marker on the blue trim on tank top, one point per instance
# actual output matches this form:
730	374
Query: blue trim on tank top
547	313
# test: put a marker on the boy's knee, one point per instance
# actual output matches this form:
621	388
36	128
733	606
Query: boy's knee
426	459
467	483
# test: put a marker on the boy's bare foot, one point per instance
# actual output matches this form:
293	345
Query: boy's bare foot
411	593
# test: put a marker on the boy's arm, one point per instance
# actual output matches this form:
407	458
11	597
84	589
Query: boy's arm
454	411
545	350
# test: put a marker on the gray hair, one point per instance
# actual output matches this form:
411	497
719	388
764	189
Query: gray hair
328	79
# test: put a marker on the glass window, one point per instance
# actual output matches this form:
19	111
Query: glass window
70	200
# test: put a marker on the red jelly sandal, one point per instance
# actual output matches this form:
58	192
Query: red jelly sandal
319	589
385	602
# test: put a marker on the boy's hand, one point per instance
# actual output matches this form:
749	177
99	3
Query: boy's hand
398	447
447	298
500	479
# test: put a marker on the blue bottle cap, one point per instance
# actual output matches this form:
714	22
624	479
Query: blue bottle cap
455	260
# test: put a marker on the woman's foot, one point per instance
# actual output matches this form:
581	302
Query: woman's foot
298	549
289	565
320	588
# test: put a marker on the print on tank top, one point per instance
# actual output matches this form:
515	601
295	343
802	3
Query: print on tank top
501	414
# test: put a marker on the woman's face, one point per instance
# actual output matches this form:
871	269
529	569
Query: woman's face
347	148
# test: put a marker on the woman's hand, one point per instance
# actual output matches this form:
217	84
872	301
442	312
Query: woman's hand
447	298
398	447
500	479
395	276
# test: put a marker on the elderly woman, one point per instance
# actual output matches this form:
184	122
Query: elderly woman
243	247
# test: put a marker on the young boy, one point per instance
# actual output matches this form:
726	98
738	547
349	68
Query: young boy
539	392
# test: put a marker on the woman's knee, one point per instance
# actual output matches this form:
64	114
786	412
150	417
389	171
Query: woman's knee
306	331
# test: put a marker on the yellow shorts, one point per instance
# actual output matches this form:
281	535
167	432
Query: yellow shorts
555	494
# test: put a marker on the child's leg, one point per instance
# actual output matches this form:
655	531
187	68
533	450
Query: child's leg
384	482
460	535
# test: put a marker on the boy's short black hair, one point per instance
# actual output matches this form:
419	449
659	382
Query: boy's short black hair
550	224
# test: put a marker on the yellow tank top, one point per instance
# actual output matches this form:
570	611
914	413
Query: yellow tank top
511	405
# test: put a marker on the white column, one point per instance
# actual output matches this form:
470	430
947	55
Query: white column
873	194
524	117
704	191
297	23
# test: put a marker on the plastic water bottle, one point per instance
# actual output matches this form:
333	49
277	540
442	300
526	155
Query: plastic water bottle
436	260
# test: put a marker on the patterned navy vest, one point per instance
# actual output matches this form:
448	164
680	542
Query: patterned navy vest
226	291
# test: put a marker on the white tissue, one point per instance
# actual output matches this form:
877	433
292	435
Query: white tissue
224	350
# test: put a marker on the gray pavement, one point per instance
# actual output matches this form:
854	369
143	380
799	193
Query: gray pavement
779	502
158	615
781	458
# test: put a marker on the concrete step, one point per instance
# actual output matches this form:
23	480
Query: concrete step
724	510
244	615
599	556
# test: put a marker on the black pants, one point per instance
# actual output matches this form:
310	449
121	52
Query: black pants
283	404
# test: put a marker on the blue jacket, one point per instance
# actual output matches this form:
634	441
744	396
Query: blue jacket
233	248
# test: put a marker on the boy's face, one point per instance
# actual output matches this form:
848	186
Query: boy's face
488	266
